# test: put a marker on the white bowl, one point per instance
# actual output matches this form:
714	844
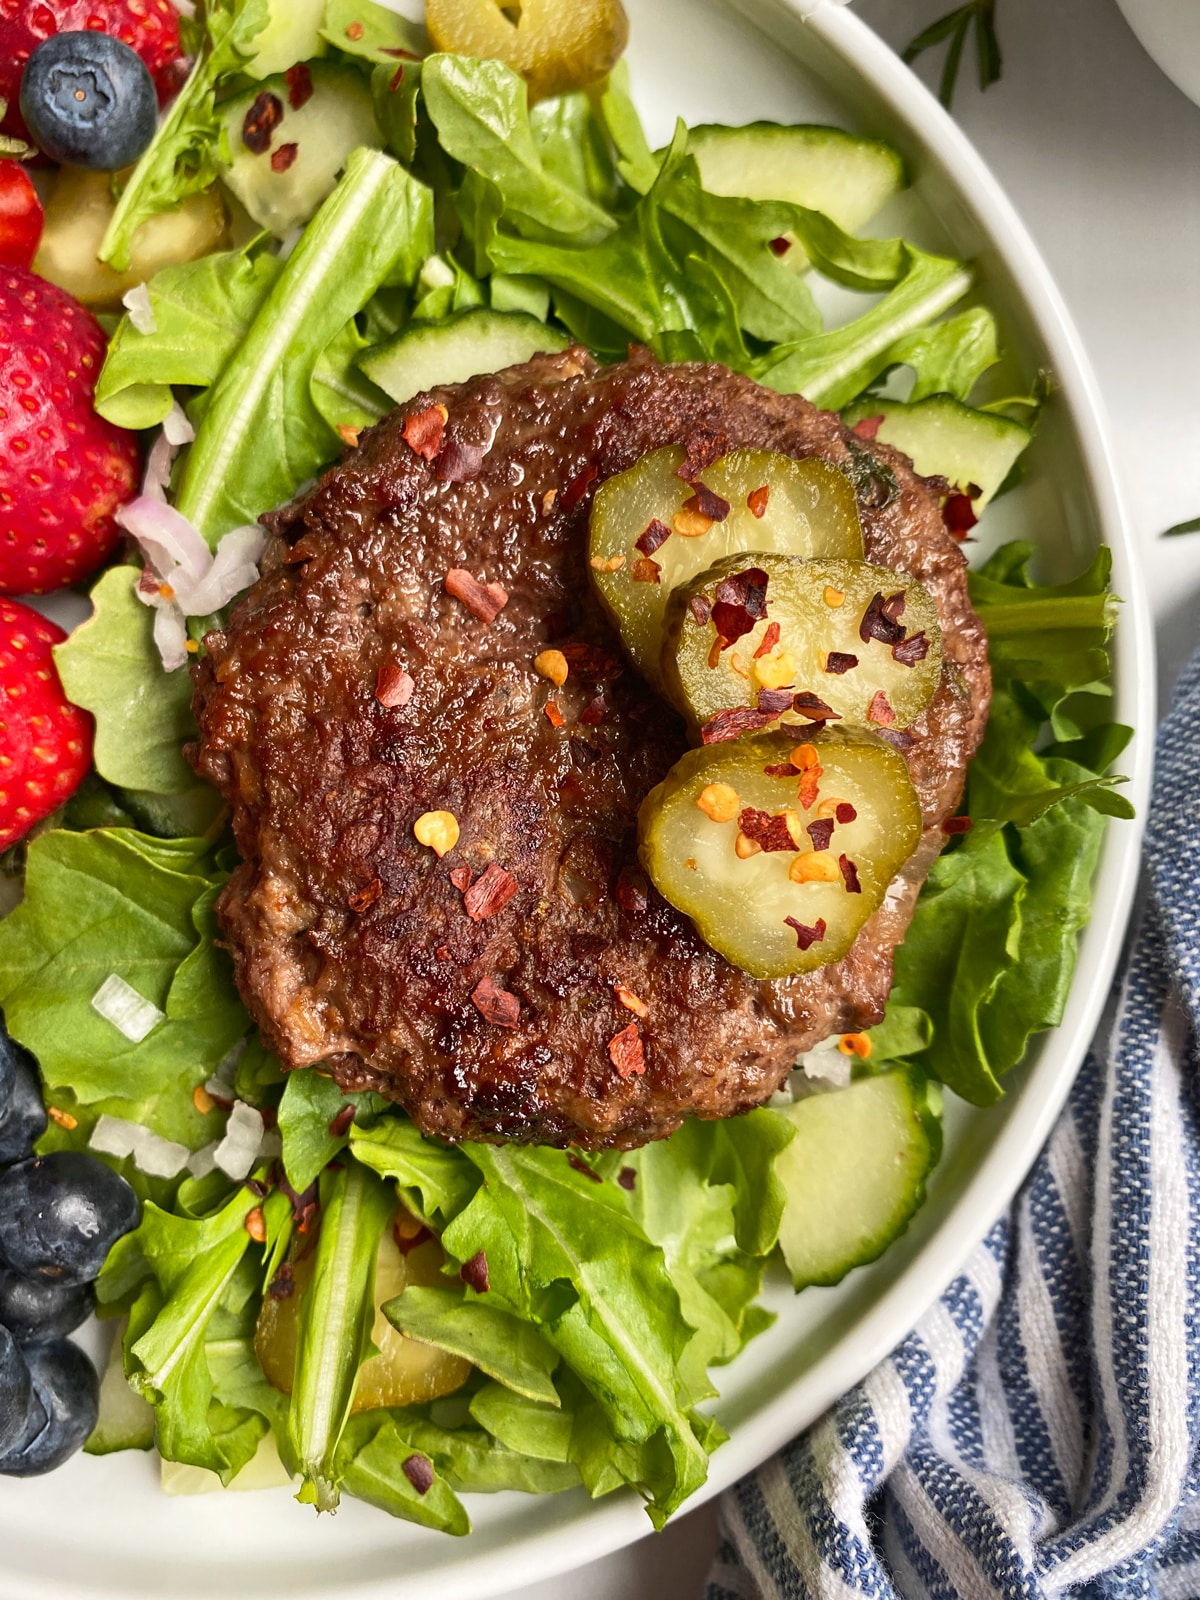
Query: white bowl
1170	32
99	1528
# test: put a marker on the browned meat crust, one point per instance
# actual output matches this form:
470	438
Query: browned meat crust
326	783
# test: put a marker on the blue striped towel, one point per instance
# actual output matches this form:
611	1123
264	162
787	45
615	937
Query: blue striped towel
1036	1435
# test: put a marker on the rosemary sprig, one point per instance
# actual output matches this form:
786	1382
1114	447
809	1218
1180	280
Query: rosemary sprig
955	26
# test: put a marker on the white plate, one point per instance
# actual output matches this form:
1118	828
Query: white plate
1170	32
101	1529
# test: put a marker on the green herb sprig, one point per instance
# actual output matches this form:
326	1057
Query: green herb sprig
955	26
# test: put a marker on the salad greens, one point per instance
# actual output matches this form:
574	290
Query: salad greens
591	1297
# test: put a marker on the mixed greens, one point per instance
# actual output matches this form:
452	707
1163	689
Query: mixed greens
582	1302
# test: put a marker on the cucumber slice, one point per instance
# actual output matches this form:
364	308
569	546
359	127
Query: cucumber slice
292	34
126	1421
944	438
855	1172
461	347
336	119
264	1470
845	177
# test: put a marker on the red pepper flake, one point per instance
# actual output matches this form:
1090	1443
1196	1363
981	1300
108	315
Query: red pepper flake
341	1123
584	754
595	711
631	1001
397	79
256	1225
589	661
868	427
729	724
627	1178
810	778
838	661
714	654
767	832
260	1191
632	894
776	701
474	1273
299	85
459	462
398	54
881	619
366	896
656	534
644	570
703	446
911	650
707	503
348	435
849	875
814	708
490	893
780	246
958	514
496	1005
425	431
282	1285
820	832
880	711
484	600
417	1469
769	640
393	686
806	937
553	715
845	812
701	608
260	122
757	499
626	1052
741	602
460	877
578	487
355	31
577	1164
897	738
957	825
283	158
785	769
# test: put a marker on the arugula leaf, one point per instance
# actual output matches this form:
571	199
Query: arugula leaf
436	1181
573	144
635	163
261	434
949	357
528	1427
181	157
905	1031
371	1459
1192	526
506	1348
372	32
472	1461
309	1105
955	27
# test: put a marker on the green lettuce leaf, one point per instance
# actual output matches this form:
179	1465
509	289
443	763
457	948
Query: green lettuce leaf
435	1181
309	1105
371	1458
528	1427
949	357
372	32
635	160
503	1346
473	1462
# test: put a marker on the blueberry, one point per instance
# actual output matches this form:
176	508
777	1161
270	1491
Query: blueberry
60	1215
23	1120
35	1310
89	101
61	1414
16	1391
10	1052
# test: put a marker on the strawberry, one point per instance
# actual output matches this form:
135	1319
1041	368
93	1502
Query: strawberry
21	216
63	469
151	27
45	741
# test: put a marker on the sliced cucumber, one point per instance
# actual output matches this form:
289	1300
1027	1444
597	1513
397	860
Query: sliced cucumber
845	177
126	1421
334	120
459	348
944	438
292	33
264	1470
855	1172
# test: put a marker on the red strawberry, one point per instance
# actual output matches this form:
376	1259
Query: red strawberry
63	469
151	27
21	216
45	741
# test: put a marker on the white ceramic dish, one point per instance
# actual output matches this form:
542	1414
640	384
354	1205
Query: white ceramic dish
1170	32
100	1530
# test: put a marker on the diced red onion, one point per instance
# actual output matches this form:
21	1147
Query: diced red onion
130	1013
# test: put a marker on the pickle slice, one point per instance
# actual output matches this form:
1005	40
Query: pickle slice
787	907
861	639
809	509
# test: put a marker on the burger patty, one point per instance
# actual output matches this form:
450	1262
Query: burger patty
352	692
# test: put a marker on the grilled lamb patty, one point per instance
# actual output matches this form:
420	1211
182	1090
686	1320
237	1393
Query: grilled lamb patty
359	948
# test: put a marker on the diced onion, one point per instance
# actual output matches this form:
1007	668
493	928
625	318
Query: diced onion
271	1147
141	313
177	430
203	1161
238	1150
129	1012
152	1154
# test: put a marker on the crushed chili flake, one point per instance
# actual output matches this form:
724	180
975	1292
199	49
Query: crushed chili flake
460	877
757	500
496	1005
708	503
813	707
284	156
64	1119
644	570
785	769
484	600
656	533
769	640
845	812
805	756
459	461
958	514
548	499
589	661
881	619
256	1224
691	524
767	832
260	1191
347	434
741	601
584	754
474	1273
627	1178
282	1285
868	427
490	893
627	1053
911	650
729	724
897	738
631	890
612	564
417	1469
578	1164
880	711
355	31
957	825
776	701
855	1044
202	1100
849	875
341	1123
396	80
595	711
424	432
809	787
393	686
260	122
578	487
553	715
820	832
299	85
701	608
839	661
714	654
630	1001
366	896
805	936
780	246
703	446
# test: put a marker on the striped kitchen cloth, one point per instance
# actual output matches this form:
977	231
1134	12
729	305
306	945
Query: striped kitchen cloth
1036	1435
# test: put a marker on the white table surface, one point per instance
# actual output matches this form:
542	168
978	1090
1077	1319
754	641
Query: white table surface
1101	156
